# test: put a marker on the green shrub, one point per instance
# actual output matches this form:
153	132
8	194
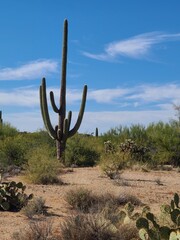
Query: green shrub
42	168
165	143
80	151
13	151
7	130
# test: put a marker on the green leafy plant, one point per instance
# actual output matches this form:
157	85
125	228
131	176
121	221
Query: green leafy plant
80	151
42	167
12	196
62	131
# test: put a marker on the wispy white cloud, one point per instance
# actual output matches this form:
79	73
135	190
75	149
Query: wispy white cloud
108	95
32	121
135	47
157	93
123	97
31	70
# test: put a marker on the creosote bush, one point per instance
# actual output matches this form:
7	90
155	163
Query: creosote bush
43	168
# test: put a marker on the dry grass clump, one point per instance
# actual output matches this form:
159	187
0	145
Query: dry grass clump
81	199
84	200
35	207
88	227
125	198
128	232
37	230
95	227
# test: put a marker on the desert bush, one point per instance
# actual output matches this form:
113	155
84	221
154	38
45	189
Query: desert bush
165	143
12	196
84	200
95	227
81	151
35	207
36	230
127	232
112	164
81	199
7	130
124	198
13	151
88	227
42	167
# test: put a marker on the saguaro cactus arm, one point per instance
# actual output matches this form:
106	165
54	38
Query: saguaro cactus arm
1	121
53	104
44	110
80	115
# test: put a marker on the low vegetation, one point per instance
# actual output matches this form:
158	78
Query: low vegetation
156	146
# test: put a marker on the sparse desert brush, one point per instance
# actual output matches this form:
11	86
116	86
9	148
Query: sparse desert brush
88	227
42	168
95	227
35	207
128	232
124	198
80	199
36	230
112	164
85	201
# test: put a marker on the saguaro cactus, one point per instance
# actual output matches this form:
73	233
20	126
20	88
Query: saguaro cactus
62	131
1	121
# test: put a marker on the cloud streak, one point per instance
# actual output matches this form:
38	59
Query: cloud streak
29	71
122	97
137	47
32	121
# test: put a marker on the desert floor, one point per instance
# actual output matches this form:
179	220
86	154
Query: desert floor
153	188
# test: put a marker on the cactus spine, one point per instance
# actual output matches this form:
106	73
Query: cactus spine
62	131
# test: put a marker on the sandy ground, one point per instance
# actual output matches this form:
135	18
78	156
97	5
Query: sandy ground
153	188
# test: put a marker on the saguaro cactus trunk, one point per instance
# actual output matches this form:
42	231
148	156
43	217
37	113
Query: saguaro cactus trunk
62	131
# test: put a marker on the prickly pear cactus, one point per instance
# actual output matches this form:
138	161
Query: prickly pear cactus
150	229
12	196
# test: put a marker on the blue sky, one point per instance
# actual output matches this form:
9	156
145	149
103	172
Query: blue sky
126	51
